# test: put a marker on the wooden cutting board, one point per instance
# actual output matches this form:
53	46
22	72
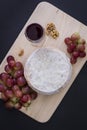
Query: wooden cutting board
43	107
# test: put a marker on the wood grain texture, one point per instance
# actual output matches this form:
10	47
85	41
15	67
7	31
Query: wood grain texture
44	106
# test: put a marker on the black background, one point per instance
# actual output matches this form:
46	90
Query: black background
72	111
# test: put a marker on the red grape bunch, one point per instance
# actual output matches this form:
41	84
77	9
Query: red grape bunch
75	47
15	91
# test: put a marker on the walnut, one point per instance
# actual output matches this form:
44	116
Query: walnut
21	52
51	30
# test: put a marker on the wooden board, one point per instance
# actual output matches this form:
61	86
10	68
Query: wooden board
44	106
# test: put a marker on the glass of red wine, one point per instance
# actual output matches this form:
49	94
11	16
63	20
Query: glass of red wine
35	34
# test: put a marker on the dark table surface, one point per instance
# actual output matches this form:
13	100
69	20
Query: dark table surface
72	111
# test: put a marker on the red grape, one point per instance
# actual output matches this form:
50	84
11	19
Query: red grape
3	77
14	81
11	63
8	69
81	41
21	81
15	88
25	90
25	98
9	93
9	58
72	46
18	105
4	97
75	54
75	36
9	104
68	41
81	47
9	82
18	93
69	50
2	87
33	95
18	73
18	65
82	54
73	60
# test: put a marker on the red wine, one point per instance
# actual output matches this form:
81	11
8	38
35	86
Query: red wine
34	32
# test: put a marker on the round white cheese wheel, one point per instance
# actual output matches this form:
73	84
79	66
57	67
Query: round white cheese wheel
47	70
